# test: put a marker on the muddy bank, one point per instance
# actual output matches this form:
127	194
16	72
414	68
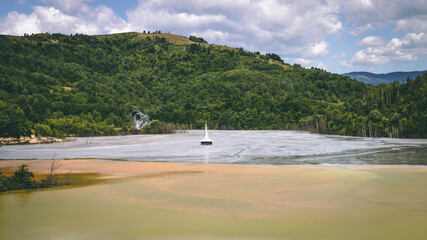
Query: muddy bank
152	200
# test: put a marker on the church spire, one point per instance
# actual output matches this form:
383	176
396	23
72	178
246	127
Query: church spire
206	140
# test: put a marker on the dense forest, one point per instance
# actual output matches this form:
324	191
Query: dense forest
79	85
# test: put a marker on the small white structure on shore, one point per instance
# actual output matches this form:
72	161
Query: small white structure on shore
206	140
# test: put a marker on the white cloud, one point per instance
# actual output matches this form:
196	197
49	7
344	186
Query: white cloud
18	24
304	62
308	63
416	41
323	66
409	17
368	14
360	29
288	27
371	41
293	29
214	36
320	49
413	24
63	17
346	63
396	50
73	7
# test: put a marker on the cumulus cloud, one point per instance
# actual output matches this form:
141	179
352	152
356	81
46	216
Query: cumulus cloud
415	25
74	7
293	29
371	41
369	14
320	49
64	17
307	63
396	50
360	29
288	27
18	24
415	41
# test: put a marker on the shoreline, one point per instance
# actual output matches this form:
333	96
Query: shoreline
49	139
77	173
30	140
326	165
118	168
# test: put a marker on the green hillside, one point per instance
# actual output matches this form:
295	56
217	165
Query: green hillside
82	85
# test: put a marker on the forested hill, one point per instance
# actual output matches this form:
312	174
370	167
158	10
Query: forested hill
59	85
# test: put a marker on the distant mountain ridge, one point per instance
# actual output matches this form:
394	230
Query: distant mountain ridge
377	79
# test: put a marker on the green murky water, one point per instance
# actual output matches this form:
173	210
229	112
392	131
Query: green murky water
233	202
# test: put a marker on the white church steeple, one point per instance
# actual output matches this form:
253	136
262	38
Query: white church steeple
206	140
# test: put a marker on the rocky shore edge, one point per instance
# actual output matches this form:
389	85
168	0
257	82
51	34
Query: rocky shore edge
29	140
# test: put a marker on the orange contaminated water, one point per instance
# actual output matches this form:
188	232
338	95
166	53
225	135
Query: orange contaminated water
202	201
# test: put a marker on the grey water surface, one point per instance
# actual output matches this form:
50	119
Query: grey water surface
241	147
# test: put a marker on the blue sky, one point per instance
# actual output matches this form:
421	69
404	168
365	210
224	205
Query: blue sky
336	35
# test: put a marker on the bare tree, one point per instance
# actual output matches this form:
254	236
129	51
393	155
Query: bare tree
51	178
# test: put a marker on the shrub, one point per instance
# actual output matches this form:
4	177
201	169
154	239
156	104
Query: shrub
22	178
42	130
4	183
197	39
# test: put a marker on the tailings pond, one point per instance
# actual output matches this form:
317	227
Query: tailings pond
237	147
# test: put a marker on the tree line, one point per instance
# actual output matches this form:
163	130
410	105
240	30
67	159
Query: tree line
79	85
